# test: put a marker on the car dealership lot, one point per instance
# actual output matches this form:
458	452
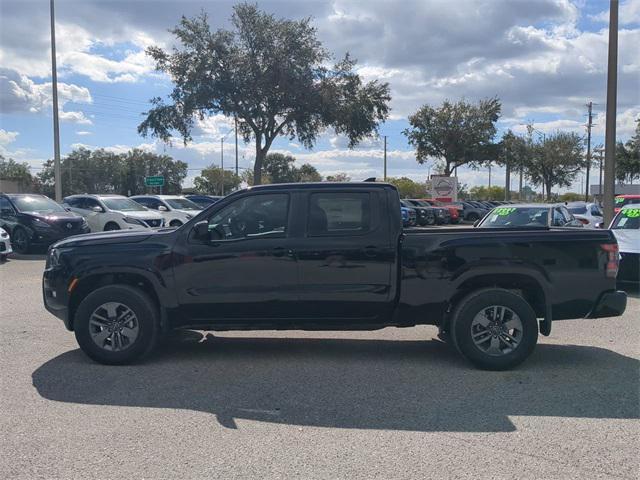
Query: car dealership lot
395	403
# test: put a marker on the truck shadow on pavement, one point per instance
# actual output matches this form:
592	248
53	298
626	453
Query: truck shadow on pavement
347	383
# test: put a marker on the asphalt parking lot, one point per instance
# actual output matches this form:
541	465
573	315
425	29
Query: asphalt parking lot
395	403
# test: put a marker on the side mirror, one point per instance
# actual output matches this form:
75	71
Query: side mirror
600	225
201	230
162	208
97	209
67	209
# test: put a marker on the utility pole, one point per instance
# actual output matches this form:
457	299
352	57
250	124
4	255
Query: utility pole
56	124
589	125
489	179
236	119
222	166
600	152
612	96
385	158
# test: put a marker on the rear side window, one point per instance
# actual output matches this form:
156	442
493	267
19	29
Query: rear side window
339	213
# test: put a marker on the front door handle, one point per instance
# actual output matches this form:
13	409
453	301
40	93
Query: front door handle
371	251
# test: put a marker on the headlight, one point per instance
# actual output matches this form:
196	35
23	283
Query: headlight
133	221
84	224
4	234
53	259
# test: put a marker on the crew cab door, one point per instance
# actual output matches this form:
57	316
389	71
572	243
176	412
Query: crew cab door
346	256
245	269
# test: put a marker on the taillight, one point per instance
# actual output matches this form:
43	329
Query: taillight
612	259
584	221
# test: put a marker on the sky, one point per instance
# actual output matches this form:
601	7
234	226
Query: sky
545	59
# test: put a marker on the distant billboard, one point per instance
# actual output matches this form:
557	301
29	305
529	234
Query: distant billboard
443	188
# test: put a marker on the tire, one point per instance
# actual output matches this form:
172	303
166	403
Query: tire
472	217
111	226
92	320
175	223
20	240
493	347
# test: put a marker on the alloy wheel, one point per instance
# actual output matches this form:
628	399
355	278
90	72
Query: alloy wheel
113	326
496	330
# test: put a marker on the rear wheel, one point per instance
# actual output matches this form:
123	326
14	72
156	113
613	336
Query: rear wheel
116	324
20	241
472	217
495	329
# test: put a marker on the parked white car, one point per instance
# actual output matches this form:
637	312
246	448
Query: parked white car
5	245
626	228
589	214
175	209
112	212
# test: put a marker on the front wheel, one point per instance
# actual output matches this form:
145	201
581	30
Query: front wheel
175	223
20	241
111	226
495	329
116	324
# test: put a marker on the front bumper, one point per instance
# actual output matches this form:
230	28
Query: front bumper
610	304
48	237
55	295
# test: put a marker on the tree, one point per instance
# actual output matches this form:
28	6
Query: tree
556	161
628	158
486	193
211	178
456	133
137	164
512	155
279	168
407	188
100	171
17	172
271	75
307	173
338	177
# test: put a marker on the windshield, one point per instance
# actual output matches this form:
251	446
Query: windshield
627	219
182	204
622	201
517	217
578	210
123	204
36	203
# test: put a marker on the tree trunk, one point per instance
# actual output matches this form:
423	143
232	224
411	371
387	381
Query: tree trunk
507	183
257	166
548	187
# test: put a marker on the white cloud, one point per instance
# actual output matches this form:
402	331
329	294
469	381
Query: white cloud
83	133
628	13
7	137
74	117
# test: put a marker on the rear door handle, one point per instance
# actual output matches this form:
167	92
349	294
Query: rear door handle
281	252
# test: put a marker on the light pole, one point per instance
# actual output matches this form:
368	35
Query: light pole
610	133
56	124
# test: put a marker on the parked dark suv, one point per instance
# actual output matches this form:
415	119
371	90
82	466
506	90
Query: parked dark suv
36	220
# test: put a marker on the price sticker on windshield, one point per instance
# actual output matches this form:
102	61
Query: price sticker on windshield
504	211
619	199
631	212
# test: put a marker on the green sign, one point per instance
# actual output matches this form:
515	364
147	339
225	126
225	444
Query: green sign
631	212
154	181
504	211
619	199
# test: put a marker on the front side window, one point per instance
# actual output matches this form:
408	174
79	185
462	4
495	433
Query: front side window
595	211
251	216
182	204
122	204
5	207
558	219
336	213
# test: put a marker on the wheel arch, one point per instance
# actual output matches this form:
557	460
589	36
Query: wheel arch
525	285
88	284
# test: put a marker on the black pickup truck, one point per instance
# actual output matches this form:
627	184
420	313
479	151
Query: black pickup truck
328	257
